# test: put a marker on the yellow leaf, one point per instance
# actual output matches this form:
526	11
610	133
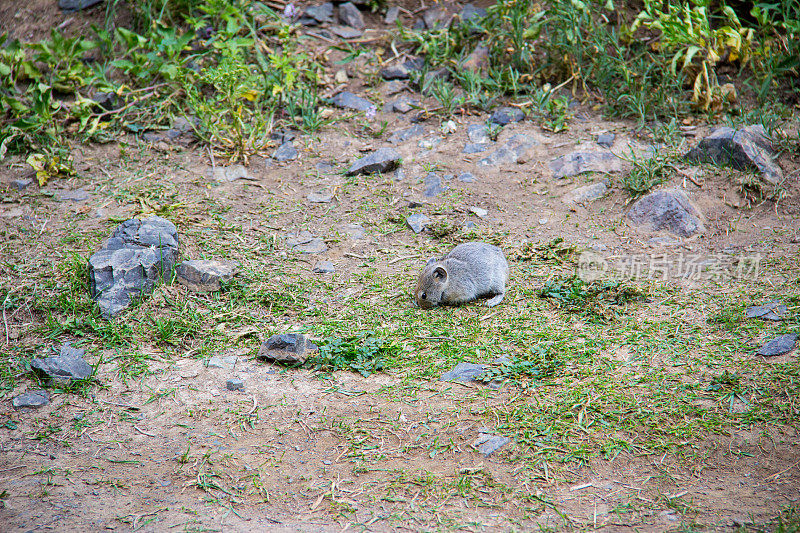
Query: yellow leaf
250	94
37	162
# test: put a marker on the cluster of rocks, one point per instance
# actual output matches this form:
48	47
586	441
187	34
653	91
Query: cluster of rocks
65	368
773	311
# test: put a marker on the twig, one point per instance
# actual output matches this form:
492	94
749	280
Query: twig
142	431
782	471
12	468
5	322
686	175
126	406
348	254
393	261
320	37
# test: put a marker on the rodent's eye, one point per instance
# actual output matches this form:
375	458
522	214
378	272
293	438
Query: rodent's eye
424	296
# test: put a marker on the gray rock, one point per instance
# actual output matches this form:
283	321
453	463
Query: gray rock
471	13
351	16
234	384
381	160
325	167
77	5
288	348
346	32
228	174
78	195
67	366
433	185
747	149
580	162
467	177
418	222
769	311
429	144
401	105
487	444
137	255
304	242
463	372
33	399
320	197
391	15
437	74
515	150
21	184
402	71
478	133
227	362
478	211
393	87
294	238
475	148
322	13
285	152
434	17
779	345
354	231
204	275
587	193
506	115
606	140
324	267
348	100
478	60
406	134
668	210
282	136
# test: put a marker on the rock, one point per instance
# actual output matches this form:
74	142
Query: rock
401	105
475	148
391	15
487	444
77	5
779	345
466	177
478	211
282	136
434	17
325	167
288	348
393	87
669	210
381	160
429	144
478	133
579	162
285	152
346	32
470	13
769	311
21	184
351	16
354	232
341	76
234	384
433	185
587	193
402	71
506	115
348	100
67	366
304	242
322	13
418	222
747	149
320	197
463	372
478	60
33	399
606	140
227	362
406	134
78	195
137	255
515	150
204	275
437	74
324	267
449	127
228	174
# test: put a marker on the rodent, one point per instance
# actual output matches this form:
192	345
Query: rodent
471	270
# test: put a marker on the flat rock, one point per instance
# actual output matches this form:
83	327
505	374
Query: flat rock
391	15
747	149
769	311
478	133
77	5
204	275
668	210
402	71
401	105
506	115
418	222
478	211
406	134
354	232
322	13
21	184
227	362
487	444
779	345
349	15
471	13
67	366
33	399
475	148
581	162
78	195
429	144
228	174
348	100
606	140
305	243
285	152
324	267
466	177
434	17
346	32
463	372
587	193
515	150
381	160
433	185
137	255
287	348
234	384
477	60
320	197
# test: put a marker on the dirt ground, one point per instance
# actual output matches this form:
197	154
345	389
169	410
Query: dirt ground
171	449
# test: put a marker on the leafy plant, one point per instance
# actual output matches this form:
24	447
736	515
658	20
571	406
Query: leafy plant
542	364
594	299
646	173
364	353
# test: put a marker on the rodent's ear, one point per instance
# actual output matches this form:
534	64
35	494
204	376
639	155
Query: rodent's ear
440	273
430	261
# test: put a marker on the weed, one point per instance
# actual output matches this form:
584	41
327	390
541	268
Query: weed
646	173
364	353
594	299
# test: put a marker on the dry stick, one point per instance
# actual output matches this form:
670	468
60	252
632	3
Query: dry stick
403	258
5	322
142	431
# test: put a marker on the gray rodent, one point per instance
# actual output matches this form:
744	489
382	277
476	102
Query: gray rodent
471	270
